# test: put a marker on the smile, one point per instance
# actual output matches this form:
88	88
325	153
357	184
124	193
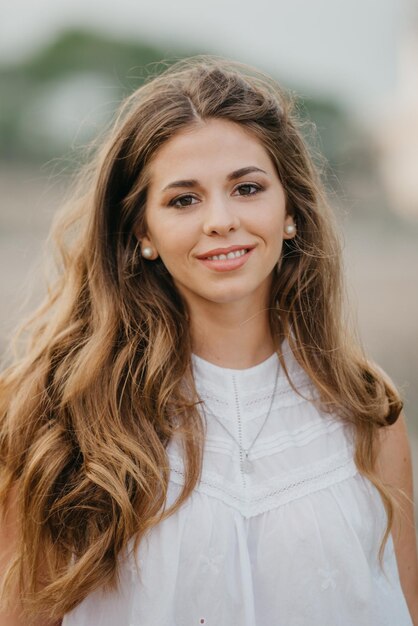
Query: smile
230	255
228	262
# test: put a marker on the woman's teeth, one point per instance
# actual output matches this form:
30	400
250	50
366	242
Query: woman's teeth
230	255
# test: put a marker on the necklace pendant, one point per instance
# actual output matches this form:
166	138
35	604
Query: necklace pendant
247	466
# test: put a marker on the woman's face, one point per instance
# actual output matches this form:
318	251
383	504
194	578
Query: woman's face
214	190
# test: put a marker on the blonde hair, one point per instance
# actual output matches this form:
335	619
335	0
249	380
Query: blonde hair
87	412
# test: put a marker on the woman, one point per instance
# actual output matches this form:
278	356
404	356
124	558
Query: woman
192	436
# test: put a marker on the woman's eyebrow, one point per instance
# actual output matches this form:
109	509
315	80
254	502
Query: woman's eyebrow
242	171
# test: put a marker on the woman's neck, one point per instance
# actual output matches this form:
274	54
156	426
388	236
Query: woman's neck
231	336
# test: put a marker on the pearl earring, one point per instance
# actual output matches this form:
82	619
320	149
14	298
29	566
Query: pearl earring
290	229
147	252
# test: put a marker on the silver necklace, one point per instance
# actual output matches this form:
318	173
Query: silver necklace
246	464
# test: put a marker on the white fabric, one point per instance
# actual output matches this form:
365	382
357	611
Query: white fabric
293	544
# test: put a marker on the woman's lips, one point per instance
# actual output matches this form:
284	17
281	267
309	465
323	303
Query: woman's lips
226	265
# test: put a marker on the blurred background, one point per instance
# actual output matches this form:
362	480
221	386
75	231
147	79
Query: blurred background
65	66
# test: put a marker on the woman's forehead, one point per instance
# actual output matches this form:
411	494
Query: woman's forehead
215	148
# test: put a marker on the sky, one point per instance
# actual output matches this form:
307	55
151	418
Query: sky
346	49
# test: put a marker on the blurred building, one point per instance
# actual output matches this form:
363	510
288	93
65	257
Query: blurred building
398	130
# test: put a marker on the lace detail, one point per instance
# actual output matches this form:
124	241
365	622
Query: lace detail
204	395
253	398
280	393
284	395
279	442
251	501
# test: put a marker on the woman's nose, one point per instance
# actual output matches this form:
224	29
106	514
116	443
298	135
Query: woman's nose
220	218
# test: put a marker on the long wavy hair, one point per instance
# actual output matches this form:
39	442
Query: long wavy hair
105	379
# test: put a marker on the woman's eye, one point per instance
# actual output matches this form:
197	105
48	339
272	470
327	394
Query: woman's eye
181	199
246	187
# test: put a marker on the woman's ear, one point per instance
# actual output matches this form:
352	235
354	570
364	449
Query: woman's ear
289	227
148	249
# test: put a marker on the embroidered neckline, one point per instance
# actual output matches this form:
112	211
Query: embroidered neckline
262	498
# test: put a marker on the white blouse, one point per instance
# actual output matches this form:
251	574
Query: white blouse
292	543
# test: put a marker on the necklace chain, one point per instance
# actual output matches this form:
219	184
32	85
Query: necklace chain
248	464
